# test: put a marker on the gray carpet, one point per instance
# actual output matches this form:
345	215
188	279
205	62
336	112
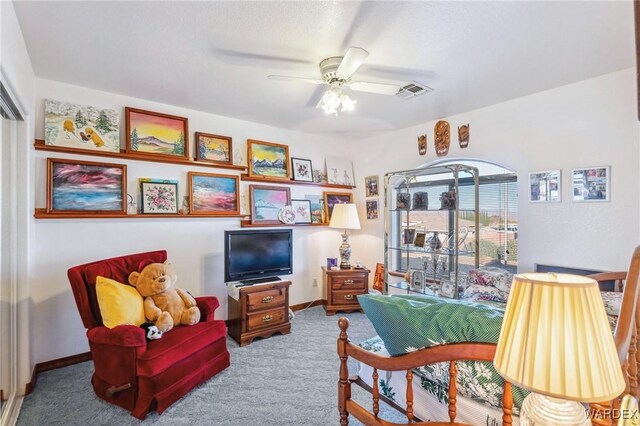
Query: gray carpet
283	380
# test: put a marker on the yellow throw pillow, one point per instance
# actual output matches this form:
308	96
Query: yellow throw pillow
119	303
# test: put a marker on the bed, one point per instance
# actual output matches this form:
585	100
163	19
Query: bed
407	381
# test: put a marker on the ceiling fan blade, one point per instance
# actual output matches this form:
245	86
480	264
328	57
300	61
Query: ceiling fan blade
352	60
298	79
379	88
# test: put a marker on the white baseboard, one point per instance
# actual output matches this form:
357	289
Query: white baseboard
11	410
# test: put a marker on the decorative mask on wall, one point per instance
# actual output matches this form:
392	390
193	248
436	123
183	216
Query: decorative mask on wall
422	144
463	135
441	139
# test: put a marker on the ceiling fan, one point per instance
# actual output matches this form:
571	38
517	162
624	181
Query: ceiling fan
336	72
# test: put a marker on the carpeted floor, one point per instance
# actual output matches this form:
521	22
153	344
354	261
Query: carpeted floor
283	380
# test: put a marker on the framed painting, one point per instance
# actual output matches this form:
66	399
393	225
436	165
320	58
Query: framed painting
155	134
81	127
545	186
75	186
317	208
591	184
302	170
372	209
158	196
213	194
333	198
340	171
213	148
266	202
302	208
371	186
268	159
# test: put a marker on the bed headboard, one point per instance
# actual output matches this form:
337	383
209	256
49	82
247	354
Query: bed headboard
604	285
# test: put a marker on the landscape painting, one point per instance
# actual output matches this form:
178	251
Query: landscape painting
333	198
213	194
156	134
81	186
213	148
268	159
266	202
317	208
81	127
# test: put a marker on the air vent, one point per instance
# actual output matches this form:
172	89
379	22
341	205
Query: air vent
413	89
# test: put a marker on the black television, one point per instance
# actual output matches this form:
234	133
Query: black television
257	255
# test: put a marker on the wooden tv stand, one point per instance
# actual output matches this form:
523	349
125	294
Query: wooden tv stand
260	311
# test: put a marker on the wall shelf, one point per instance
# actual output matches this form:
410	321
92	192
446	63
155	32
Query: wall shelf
39	145
286	181
42	214
248	224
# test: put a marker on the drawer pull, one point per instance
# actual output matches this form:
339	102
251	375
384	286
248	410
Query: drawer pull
267	299
348	296
349	281
267	318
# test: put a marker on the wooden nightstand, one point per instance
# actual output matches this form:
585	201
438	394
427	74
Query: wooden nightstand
343	287
260	311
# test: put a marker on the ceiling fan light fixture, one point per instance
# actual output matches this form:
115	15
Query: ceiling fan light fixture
334	98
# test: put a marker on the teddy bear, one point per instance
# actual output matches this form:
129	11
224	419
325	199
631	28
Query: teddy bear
164	304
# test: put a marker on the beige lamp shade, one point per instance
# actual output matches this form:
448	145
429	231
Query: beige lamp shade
345	216
556	341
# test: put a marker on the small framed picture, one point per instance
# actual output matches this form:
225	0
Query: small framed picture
420	239
75	186
156	135
371	186
302	208
317	208
591	184
213	148
268	159
372	209
158	196
545	186
333	198
266	203
213	194
340	171
447	289
408	235
417	280
302	170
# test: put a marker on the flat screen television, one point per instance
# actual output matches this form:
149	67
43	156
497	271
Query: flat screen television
256	254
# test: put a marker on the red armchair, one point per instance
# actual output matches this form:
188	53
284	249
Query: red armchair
131	372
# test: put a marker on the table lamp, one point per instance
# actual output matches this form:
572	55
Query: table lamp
345	216
556	342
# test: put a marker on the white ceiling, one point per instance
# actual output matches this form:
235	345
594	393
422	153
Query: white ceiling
215	56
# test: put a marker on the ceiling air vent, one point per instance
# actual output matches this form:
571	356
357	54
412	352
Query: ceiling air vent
413	89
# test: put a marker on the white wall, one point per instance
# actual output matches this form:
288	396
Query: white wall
194	244
17	75
589	123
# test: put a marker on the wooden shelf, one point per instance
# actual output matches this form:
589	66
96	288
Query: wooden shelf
286	181
248	224
40	146
42	214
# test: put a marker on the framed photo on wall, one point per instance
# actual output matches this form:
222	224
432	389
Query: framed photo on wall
301	169
371	186
591	184
333	198
266	203
155	134
213	194
545	186
158	196
213	148
268	159
75	186
372	209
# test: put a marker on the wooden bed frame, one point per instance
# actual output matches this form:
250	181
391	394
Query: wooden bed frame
625	337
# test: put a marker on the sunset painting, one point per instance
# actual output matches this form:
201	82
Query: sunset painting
156	134
83	186
268	159
213	148
213	194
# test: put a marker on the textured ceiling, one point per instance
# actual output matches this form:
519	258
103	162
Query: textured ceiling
215	56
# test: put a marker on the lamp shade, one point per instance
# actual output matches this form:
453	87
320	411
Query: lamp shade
556	340
345	216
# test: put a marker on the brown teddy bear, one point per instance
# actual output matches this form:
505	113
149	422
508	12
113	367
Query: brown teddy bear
164	304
